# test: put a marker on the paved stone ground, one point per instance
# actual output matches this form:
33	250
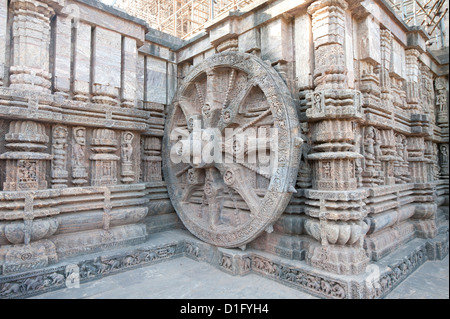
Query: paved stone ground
183	278
430	281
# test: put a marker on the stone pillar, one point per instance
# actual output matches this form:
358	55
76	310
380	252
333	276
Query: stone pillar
3	32
401	166
333	108
104	163
431	156
412	79
416	159
82	62
371	149
443	160
129	72
385	80
31	43
427	93
107	56
152	159
59	171
63	45
127	148
26	162
441	87
328	28
79	162
388	156
369	62
441	84
424	217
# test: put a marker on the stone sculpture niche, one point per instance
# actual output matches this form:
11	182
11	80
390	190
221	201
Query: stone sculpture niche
79	172
26	161
104	163
127	163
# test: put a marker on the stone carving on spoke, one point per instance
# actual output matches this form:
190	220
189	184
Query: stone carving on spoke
238	103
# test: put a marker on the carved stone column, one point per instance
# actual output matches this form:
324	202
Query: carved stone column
82	62
385	80
441	101
412	76
401	166
427	92
59	172
26	161
371	149
107	67
3	36
425	203
104	163
127	171
79	161
328	28
333	108
388	156
129	70
431	156
152	159
416	159
31	42
62	55
441	87
443	154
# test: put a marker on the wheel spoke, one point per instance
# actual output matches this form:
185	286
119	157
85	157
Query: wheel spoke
187	192
230	112
233	177
213	190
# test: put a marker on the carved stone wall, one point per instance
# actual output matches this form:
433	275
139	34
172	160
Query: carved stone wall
373	168
86	92
76	105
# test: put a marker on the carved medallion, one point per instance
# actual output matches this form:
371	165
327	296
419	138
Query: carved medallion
231	149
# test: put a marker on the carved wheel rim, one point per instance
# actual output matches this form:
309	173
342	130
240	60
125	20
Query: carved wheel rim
229	205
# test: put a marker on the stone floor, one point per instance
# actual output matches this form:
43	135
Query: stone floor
430	281
183	278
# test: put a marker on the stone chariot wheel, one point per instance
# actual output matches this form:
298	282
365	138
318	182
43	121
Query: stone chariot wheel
231	148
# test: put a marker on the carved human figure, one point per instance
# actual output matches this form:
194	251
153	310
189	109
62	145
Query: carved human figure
405	149
79	147
369	143
59	147
305	169
441	102
79	172
444	154
127	147
377	144
399	146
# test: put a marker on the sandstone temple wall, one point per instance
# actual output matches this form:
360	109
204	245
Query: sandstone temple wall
83	94
373	107
82	117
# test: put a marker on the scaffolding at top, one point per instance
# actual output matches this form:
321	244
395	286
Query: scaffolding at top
432	15
185	18
181	18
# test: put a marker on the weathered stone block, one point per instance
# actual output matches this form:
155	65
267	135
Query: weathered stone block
276	41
